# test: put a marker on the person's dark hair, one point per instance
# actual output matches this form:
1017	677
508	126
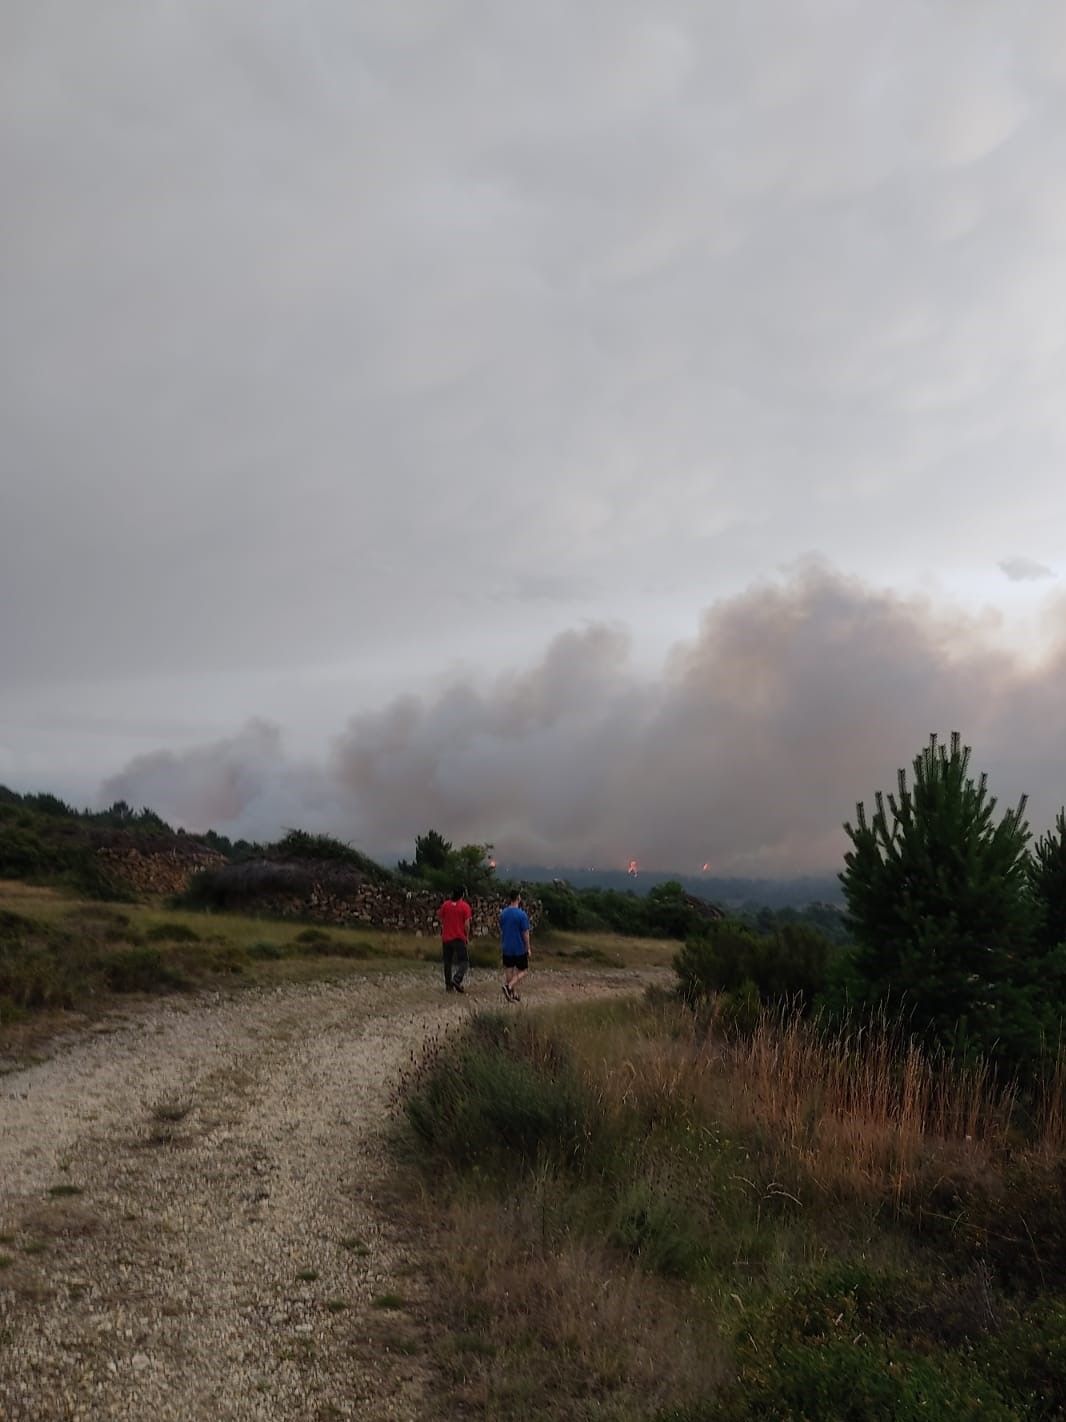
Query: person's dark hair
459	892
513	896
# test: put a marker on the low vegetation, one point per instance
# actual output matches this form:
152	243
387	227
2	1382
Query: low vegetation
639	1213
59	952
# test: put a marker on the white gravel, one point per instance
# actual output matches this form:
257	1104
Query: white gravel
220	1148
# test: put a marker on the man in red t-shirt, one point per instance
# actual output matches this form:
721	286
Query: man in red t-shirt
455	916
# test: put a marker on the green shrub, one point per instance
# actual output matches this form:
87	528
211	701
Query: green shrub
854	1343
346	948
791	964
847	1299
10	1010
171	933
14	925
266	951
560	906
298	844
841	1380
34	975
27	854
98	916
670	912
198	959
715	962
499	1097
242	887
1028	1362
140	969
1019	1230
323	945
38	967
658	1230
739	1012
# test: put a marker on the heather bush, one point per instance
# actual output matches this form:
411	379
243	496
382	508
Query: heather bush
502	1097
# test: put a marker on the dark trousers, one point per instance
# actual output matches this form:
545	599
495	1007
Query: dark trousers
456	961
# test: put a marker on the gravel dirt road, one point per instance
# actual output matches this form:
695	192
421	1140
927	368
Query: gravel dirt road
194	1211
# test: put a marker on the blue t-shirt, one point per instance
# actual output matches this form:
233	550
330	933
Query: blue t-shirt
513	923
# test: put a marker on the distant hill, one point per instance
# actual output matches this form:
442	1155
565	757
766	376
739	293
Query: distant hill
732	893
42	837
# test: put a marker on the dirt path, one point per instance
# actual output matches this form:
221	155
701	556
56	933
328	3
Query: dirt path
191	1214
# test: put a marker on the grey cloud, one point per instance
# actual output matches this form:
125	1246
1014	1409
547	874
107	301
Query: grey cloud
546	588
298	301
1024	570
746	749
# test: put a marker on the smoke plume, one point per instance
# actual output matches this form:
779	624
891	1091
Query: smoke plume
746	751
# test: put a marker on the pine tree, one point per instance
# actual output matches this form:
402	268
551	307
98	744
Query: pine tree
939	904
1047	876
432	851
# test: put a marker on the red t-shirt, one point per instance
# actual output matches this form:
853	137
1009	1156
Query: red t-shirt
454	915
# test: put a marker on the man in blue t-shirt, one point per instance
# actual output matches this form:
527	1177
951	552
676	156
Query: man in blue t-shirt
514	945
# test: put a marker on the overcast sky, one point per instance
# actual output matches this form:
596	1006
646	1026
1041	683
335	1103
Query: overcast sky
405	409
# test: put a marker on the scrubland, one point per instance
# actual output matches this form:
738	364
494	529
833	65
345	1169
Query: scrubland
638	1213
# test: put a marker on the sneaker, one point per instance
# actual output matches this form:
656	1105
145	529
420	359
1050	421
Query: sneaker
508	994
458	987
514	995
449	987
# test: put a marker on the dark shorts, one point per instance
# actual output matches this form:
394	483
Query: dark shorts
522	962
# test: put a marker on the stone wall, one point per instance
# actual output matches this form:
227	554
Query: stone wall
385	906
319	893
164	872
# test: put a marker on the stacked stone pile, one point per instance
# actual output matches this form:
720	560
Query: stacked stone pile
409	911
165	871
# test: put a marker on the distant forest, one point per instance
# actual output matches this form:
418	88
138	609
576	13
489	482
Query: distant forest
732	893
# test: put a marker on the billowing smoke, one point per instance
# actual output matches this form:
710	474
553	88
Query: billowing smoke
242	784
745	752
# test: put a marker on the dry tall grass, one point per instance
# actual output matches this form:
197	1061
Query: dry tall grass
862	1116
722	1173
